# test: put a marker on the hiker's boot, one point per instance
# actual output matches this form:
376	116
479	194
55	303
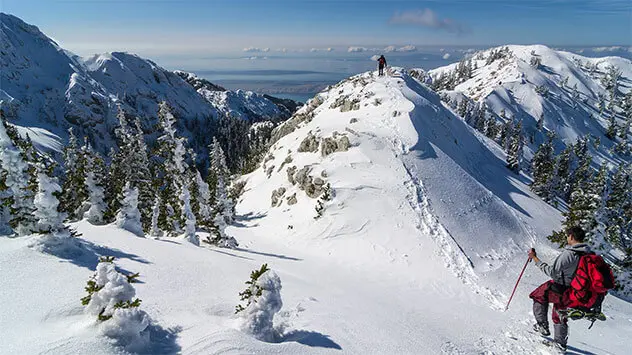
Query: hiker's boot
541	329
561	348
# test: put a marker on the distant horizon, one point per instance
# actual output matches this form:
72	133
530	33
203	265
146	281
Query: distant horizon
285	57
152	28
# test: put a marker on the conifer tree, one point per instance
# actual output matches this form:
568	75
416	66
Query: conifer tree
505	134
140	175
223	207
16	188
49	219
619	208
155	230
561	182
114	186
543	169
96	205
611	131
514	153
74	189
128	216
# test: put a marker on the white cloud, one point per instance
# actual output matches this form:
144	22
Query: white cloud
314	50
356	49
408	48
256	50
610	49
446	56
427	18
390	49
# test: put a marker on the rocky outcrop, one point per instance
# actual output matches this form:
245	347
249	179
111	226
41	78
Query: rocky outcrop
336	143
276	199
309	144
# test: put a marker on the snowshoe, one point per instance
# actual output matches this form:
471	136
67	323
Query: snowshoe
542	330
557	347
591	315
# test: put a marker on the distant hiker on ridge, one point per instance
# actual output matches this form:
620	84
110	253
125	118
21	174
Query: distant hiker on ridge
381	63
562	272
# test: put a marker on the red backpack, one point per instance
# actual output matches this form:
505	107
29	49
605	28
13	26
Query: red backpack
591	282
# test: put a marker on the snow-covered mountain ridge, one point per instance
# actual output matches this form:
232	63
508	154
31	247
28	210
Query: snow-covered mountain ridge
44	90
420	233
531	83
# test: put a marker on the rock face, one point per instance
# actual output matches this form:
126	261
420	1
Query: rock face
336	143
313	186
291	200
309	144
346	104
276	196
304	115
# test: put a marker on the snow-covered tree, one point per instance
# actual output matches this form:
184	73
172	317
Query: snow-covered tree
74	188
543	168
95	206
611	131
514	153
155	230
263	301
505	134
172	150
49	219
111	299
128	216
223	206
190	221
204	212
561	178
619	208
16	187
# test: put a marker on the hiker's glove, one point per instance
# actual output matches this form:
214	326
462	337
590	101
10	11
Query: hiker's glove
532	253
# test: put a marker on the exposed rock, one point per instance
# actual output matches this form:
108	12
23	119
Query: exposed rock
318	181
336	143
309	144
353	120
290	174
291	200
276	196
287	160
293	123
270	171
346	104
323	173
302	177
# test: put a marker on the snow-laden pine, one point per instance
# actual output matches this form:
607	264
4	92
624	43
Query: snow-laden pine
128	216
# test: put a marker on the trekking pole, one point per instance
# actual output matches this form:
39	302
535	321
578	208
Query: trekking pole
517	282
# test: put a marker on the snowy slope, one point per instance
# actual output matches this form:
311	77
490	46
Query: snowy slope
416	252
510	84
45	89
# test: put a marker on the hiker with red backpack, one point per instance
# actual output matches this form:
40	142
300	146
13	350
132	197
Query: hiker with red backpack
580	280
381	64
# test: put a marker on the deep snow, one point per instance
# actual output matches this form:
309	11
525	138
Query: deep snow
417	252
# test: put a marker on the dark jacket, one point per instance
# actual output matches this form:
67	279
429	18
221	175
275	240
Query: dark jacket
563	269
382	61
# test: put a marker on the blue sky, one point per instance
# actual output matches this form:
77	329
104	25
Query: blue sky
221	26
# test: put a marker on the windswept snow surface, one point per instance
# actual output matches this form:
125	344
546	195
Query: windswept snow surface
416	253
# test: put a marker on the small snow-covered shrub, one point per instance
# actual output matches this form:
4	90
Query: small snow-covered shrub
263	301
111	299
